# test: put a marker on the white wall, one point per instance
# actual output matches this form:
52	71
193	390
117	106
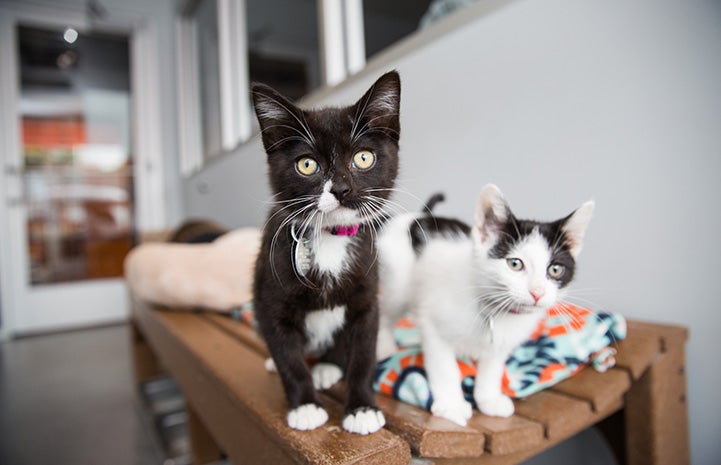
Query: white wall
558	102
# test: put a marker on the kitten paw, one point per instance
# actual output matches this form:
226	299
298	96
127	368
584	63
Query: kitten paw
325	375
457	412
365	420
498	406
270	366
307	417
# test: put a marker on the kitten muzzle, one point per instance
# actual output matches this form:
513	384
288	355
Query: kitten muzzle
345	230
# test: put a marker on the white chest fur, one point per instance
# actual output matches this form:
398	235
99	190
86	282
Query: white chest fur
331	254
321	325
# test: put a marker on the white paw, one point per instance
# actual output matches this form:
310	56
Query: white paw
270	365
307	417
497	406
325	375
364	421
458	411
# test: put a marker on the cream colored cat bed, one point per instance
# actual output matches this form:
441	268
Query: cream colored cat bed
215	276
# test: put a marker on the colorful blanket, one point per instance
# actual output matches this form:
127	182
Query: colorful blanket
566	340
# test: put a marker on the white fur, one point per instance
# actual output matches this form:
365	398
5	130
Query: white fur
331	254
448	290
325	375
327	202
321	325
576	226
307	417
364	421
270	365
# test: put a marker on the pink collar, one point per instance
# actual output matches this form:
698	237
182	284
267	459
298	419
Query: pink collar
347	230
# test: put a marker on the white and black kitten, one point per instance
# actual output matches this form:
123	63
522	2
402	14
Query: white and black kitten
331	171
478	291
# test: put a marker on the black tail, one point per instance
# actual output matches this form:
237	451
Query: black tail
431	203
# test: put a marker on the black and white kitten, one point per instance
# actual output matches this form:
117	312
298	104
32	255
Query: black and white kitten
331	171
476	290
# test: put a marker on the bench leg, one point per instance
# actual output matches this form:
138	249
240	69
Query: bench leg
202	445
145	362
656	416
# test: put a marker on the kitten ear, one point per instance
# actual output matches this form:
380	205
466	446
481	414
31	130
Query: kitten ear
278	117
574	227
492	213
379	108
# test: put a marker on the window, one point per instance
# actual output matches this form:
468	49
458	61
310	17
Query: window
295	46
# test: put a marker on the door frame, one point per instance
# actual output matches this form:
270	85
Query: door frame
146	143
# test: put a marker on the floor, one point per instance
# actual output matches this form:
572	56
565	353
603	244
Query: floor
69	398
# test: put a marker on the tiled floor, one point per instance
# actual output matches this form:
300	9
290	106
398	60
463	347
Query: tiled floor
69	399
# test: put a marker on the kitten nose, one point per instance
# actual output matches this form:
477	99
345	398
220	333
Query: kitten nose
537	294
340	190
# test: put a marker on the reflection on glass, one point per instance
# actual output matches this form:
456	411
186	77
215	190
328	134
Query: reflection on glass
75	119
205	19
387	22
283	45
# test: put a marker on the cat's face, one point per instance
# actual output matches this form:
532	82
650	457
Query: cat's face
526	264
332	167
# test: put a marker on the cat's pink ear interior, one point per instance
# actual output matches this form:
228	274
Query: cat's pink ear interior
492	213
575	227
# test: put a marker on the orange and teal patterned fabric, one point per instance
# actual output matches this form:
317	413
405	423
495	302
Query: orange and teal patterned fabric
567	339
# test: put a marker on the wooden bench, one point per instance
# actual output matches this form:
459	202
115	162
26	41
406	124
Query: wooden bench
237	409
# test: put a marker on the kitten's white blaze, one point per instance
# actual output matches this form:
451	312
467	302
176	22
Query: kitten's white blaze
536	255
327	201
321	325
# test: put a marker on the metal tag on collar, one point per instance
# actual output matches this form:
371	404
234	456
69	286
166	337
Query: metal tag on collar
302	257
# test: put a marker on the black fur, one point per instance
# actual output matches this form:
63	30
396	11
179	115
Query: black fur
513	230
429	226
510	232
282	300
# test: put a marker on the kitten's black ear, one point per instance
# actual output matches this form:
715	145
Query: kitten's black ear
574	227
278	117
492	213
379	108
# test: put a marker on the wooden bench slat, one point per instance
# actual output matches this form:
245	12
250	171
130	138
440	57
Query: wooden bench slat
670	335
240	330
600	389
507	435
560	414
637	352
429	435
521	456
244	406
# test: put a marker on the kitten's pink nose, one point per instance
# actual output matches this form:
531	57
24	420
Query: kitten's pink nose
537	294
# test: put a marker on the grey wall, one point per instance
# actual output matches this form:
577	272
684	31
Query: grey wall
558	102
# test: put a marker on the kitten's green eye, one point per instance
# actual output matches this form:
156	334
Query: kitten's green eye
307	166
363	159
516	264
555	271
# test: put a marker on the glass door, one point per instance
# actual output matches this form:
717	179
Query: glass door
76	173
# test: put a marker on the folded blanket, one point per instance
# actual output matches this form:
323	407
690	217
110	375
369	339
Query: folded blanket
566	340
